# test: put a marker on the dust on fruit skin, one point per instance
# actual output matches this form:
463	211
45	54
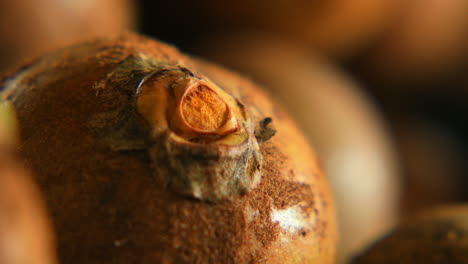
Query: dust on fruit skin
97	160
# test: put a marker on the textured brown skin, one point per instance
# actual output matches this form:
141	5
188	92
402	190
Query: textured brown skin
337	117
25	230
437	236
108	205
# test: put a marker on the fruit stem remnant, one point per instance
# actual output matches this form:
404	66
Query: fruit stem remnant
204	133
201	110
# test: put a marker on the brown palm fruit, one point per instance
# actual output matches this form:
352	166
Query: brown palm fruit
427	44
436	236
148	156
32	27
337	117
25	231
338	28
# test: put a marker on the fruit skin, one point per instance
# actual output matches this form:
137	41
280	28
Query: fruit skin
439	235
109	205
337	117
25	230
34	27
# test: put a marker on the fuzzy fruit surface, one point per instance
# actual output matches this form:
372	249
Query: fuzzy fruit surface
148	156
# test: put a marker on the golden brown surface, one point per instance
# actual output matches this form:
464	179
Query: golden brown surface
338	119
94	156
25	232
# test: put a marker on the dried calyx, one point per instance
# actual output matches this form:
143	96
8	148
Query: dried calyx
205	135
200	111
195	109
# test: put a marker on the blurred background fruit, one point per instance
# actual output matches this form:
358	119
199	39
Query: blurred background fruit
435	236
25	231
433	163
427	43
409	57
32	27
338	28
338	118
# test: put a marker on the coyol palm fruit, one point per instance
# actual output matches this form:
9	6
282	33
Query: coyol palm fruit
33	27
437	236
25	232
428	43
339	28
148	156
337	118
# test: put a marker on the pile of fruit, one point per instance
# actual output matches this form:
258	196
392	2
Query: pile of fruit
294	132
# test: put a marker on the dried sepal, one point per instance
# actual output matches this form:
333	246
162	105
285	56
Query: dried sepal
204	134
